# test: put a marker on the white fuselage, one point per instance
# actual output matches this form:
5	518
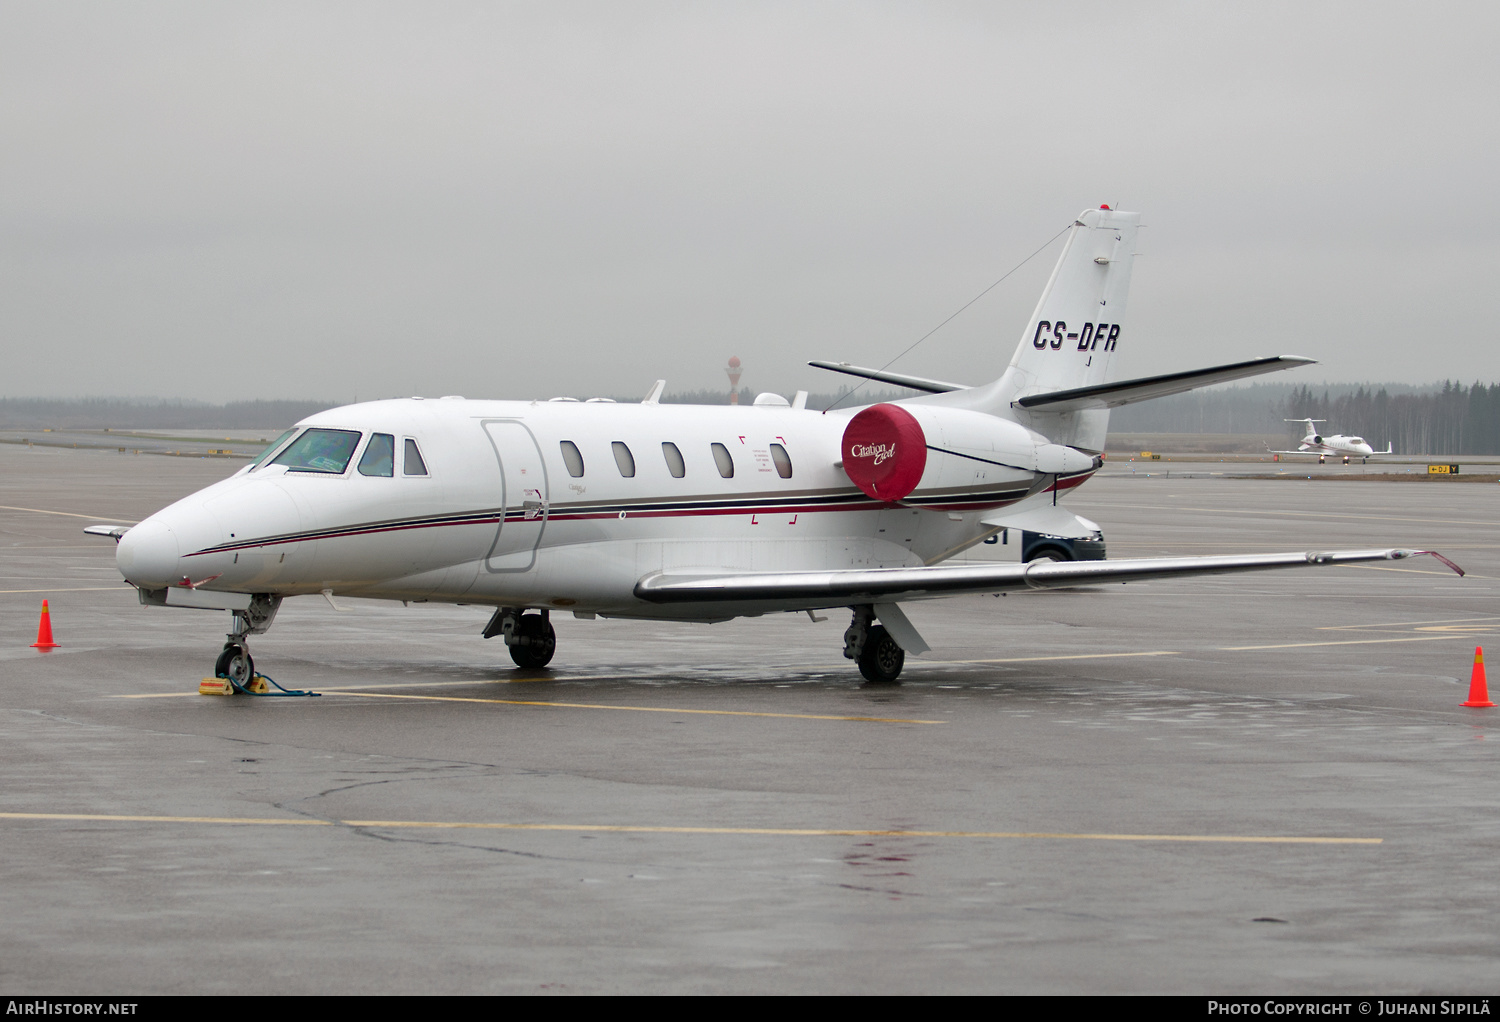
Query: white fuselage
500	517
1337	444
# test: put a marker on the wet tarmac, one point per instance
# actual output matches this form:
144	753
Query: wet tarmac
1258	784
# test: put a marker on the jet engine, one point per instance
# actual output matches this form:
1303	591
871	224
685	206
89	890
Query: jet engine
921	453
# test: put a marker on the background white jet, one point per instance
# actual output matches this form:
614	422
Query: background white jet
1334	445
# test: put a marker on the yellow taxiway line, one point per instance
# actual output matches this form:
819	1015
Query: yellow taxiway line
616	828
63	589
69	514
1343	642
1069	656
640	709
364	694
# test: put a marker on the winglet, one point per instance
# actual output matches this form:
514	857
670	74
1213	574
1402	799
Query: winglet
654	398
1434	553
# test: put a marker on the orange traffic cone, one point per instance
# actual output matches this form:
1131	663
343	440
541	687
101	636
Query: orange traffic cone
44	631
1479	691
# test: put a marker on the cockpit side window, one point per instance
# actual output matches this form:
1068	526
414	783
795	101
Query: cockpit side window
379	458
413	465
320	450
275	446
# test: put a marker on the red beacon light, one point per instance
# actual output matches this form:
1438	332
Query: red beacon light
1104	206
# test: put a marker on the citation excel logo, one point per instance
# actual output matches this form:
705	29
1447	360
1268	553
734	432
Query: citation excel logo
879	452
885	451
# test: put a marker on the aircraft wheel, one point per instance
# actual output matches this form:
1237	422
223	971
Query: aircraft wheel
235	664
882	660
540	645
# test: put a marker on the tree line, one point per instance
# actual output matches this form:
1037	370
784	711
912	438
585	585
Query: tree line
1453	420
1446	418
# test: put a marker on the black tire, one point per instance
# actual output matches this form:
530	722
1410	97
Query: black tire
538	642
235	664
1049	553
882	659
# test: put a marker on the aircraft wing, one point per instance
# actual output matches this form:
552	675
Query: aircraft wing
799	590
1111	395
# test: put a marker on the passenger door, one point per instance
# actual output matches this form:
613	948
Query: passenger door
523	495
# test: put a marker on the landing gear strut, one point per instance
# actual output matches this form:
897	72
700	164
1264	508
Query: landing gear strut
530	637
234	660
880	659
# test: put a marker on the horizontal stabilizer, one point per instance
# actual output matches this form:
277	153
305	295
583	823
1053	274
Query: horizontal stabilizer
803	590
898	379
1112	395
1039	514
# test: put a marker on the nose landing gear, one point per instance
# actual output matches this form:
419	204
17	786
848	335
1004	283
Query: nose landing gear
234	660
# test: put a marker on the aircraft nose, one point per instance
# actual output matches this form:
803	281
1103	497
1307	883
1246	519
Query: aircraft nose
147	555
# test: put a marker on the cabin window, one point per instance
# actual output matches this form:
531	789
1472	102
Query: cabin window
320	450
624	459
283	438
675	464
782	461
379	458
724	461
413	465
572	458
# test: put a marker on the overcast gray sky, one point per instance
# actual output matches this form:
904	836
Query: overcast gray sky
261	200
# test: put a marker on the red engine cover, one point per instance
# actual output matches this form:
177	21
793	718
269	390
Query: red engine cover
885	451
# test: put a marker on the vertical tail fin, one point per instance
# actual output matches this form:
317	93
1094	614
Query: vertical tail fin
1308	432
1077	327
1073	335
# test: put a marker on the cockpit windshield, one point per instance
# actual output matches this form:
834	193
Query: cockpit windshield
320	450
263	455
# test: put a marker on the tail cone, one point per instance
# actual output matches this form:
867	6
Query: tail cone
44	631
1479	690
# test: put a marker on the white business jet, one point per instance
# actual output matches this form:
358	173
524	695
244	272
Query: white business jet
1334	446
687	513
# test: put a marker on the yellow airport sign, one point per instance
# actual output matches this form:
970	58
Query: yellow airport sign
1442	470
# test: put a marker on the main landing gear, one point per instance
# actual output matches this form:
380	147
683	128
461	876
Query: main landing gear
530	637
234	660
880	659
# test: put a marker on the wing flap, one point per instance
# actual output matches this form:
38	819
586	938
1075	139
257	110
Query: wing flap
798	590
